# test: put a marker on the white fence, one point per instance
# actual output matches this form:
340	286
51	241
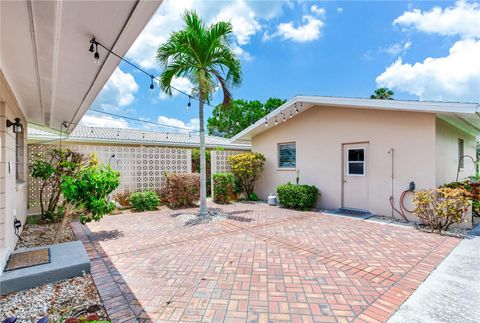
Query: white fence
141	168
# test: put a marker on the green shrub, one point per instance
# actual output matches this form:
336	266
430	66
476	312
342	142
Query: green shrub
144	201
182	190
253	197
298	197
89	190
440	208
223	184
247	167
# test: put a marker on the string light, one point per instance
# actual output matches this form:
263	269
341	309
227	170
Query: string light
276	120
94	47
189	104
291	114
218	116
296	108
151	85
266	122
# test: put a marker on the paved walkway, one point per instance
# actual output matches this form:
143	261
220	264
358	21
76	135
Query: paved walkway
451	293
262	264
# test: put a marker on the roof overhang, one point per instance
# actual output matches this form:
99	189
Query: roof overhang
465	116
45	58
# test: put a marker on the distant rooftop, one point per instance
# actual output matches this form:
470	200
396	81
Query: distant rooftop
84	134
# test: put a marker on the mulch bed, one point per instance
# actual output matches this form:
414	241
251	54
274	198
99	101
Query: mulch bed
77	297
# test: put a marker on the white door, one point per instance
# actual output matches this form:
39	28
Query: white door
355	176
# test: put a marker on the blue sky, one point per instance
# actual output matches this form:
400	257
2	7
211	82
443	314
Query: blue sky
425	50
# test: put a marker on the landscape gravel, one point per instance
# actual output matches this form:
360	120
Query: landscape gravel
34	235
73	297
194	219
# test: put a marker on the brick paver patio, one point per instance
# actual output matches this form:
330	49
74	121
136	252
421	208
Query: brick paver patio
262	264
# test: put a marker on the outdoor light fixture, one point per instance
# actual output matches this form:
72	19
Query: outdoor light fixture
94	48
151	85
218	116
291	114
266	122
296	108
189	104
276	120
17	126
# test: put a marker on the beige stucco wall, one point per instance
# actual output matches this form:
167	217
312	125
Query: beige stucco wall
13	195
447	153
319	134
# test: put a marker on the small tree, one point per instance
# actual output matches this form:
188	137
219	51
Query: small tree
247	167
50	169
89	191
440	208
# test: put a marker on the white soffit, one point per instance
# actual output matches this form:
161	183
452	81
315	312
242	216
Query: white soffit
462	115
44	52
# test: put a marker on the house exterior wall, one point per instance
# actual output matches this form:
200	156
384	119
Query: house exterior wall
447	153
13	193
319	134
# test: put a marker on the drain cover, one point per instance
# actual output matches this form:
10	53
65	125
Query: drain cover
28	259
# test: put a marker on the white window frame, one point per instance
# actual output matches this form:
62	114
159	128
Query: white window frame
461	161
357	162
278	155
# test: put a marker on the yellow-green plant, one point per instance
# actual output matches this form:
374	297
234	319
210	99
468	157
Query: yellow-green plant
247	167
442	207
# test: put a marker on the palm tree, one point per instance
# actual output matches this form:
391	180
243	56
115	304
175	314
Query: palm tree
382	93
204	55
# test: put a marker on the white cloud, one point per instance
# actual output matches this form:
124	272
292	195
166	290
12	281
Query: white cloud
461	19
398	48
120	89
181	83
192	124
339	10
310	29
316	10
103	121
455	77
244	21
246	17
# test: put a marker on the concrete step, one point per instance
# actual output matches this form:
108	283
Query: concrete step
67	260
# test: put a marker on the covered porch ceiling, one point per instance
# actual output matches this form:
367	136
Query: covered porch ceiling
44	52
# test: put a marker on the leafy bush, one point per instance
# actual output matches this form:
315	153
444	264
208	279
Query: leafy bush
182	189
144	201
89	190
123	198
247	167
298	197
253	197
442	207
223	184
50	169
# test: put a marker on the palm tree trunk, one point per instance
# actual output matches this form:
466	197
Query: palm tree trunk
203	173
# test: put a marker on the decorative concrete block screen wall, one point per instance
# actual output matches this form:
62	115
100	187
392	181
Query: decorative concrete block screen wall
141	168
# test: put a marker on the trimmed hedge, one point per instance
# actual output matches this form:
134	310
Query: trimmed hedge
223	184
144	201
298	197
182	190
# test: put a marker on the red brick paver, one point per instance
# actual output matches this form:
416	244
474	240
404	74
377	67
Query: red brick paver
262	264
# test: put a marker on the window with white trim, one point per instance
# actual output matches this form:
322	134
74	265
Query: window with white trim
287	155
356	162
461	152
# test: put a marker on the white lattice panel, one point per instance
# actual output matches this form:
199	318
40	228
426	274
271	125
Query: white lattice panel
220	163
141	168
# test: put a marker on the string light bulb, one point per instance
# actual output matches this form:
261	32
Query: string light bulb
151	85
266	122
92	47
218	116
296	108
276	120
237	123
291	114
189	104
96	56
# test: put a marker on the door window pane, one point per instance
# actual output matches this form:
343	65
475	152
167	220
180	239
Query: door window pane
287	155
356	162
